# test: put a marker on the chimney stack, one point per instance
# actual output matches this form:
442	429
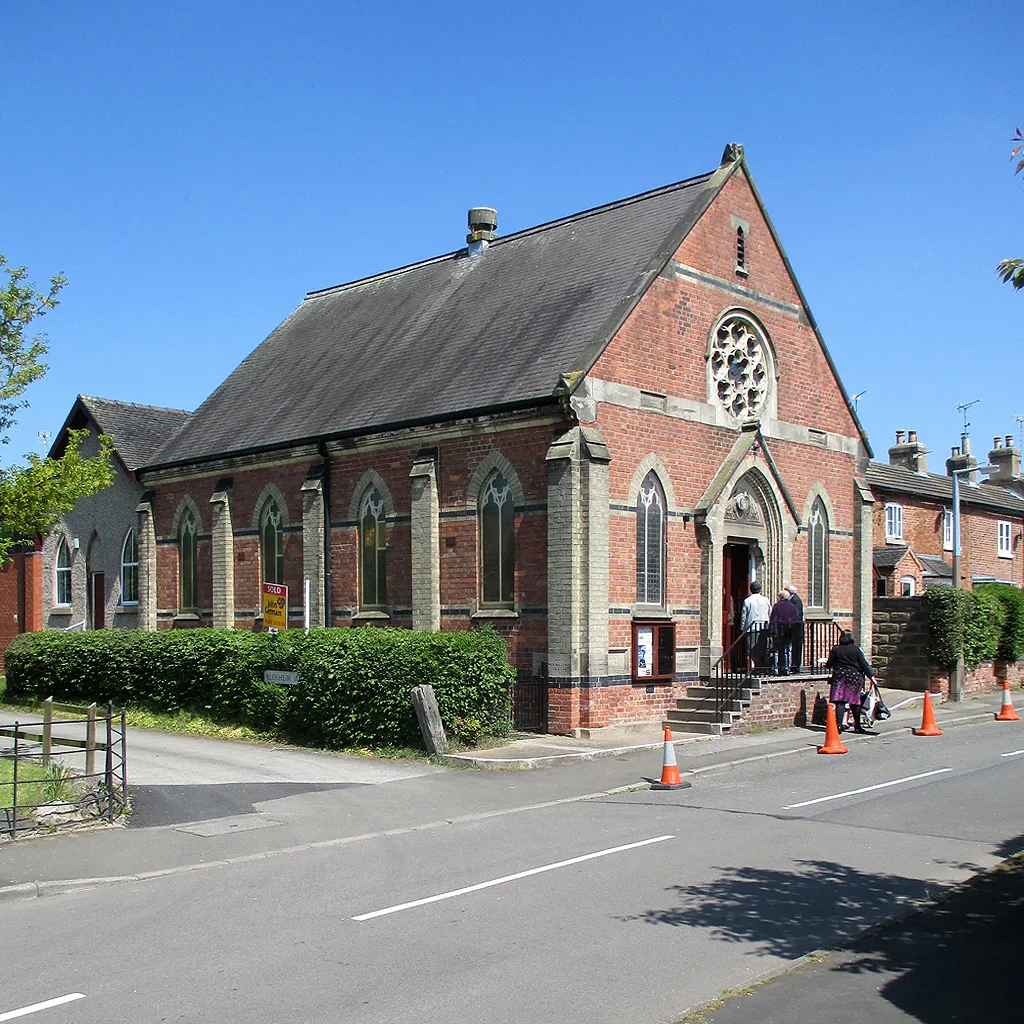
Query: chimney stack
909	454
1006	459
483	228
962	458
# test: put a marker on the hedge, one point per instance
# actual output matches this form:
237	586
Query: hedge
353	688
986	623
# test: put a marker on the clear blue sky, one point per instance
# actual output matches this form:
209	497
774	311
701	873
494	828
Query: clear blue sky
195	168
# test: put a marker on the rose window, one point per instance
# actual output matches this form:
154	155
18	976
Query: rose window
739	368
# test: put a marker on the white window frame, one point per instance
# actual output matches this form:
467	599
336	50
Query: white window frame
129	565
911	583
1004	539
58	571
893	523
947	529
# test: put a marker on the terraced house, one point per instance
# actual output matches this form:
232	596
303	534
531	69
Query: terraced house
590	435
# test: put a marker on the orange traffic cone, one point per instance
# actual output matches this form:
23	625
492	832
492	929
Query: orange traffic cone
833	745
928	726
669	769
1006	712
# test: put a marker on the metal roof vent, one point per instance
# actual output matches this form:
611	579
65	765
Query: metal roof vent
483	228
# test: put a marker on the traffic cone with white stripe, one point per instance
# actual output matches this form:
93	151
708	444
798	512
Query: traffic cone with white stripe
1006	712
669	769
833	744
928	726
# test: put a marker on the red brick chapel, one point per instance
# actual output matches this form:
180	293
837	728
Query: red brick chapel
590	435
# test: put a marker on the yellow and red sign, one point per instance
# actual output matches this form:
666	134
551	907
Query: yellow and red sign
275	606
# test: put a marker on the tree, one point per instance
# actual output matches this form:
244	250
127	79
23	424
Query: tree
34	497
1012	271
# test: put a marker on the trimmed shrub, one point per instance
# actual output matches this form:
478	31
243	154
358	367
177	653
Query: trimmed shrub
1010	646
353	690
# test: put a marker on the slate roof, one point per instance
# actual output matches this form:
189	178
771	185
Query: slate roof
896	479
889	556
452	335
935	566
138	431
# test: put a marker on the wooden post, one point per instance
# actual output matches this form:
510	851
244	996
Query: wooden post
47	729
429	717
90	739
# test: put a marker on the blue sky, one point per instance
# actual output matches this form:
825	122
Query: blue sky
196	168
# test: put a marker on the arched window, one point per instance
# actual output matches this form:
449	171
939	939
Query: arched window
497	541
62	574
650	541
272	544
373	562
817	556
130	570
187	563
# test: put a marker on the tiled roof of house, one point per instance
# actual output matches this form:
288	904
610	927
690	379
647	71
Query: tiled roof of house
889	556
453	335
897	480
935	566
138	431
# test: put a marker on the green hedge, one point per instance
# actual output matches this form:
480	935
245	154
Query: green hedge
353	690
987	623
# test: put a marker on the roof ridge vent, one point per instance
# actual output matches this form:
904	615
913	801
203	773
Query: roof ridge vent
483	228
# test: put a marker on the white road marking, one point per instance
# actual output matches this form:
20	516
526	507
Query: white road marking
36	1007
866	789
1012	753
506	878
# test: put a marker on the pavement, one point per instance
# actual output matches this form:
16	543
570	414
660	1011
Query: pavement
226	823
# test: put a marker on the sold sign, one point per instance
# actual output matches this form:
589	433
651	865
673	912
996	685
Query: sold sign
275	606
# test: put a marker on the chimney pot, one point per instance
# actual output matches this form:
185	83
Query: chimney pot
899	437
1009	440
997	442
912	437
956	452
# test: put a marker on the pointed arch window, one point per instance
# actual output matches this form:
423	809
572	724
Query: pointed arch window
650	541
817	556
62	574
497	541
272	544
187	576
130	570
373	551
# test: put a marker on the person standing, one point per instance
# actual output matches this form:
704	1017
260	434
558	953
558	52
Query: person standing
797	657
849	669
780	628
754	616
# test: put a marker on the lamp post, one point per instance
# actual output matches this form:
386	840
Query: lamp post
957	683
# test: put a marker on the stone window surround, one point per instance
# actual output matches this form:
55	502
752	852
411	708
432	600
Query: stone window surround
768	407
495	462
370	480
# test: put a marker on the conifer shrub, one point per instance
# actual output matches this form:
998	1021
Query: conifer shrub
353	690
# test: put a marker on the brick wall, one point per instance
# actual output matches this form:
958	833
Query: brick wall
988	676
21	597
782	703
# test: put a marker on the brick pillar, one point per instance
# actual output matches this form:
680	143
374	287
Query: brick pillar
223	557
31	620
426	546
147	565
313	543
596	508
863	551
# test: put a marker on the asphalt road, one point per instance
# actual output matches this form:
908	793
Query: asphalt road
631	907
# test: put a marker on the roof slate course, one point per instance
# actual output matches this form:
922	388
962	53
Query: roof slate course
138	431
890	555
454	334
895	479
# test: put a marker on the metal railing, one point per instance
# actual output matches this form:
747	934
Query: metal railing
757	653
49	775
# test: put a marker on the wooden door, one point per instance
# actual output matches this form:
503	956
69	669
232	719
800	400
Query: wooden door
97	604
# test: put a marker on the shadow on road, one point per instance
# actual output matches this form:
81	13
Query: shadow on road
173	805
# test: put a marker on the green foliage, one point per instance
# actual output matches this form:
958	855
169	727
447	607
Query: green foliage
34	497
1012	271
986	623
1010	618
353	691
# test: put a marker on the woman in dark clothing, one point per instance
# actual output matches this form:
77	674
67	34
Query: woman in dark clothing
849	668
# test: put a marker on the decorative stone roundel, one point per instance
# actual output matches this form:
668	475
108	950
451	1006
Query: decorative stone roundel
739	368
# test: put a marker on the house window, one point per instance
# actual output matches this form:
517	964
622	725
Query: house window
497	541
817	557
62	574
1005	543
654	651
880	587
187	563
372	551
650	541
893	522
947	530
908	586
130	570
272	544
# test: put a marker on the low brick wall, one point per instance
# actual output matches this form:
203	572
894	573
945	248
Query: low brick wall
900	639
783	702
988	676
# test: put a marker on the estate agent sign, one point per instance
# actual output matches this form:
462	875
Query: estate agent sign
275	606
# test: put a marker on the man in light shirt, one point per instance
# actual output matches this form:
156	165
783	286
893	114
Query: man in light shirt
756	612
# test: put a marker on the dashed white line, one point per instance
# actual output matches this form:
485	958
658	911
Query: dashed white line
1012	753
866	789
36	1007
507	878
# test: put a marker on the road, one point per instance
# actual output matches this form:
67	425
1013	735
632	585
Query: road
628	907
